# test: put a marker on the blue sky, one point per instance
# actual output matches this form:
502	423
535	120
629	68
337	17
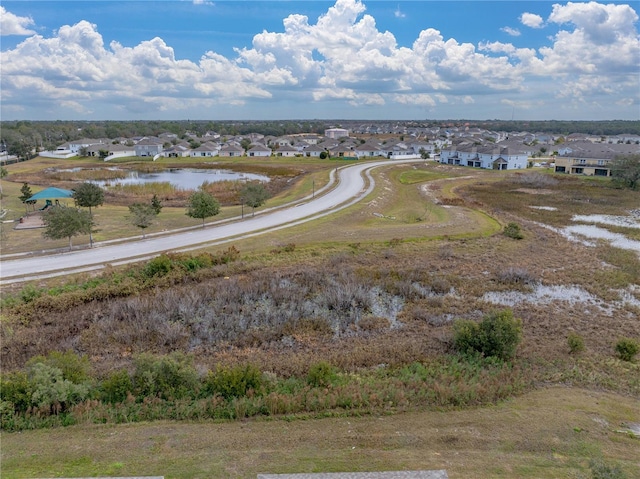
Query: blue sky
346	59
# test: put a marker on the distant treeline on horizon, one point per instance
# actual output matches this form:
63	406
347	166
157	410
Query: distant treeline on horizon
49	134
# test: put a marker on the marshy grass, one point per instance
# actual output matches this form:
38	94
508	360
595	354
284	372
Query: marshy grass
86	174
160	188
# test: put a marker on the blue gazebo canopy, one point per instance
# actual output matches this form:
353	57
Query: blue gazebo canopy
50	193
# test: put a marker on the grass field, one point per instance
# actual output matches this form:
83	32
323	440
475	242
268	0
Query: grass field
549	433
429	237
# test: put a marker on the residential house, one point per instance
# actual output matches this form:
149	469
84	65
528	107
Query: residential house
287	150
310	138
113	151
76	145
176	151
368	149
229	150
151	146
313	151
591	159
207	149
488	156
282	141
419	147
259	150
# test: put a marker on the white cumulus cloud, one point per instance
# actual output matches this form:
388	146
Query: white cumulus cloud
531	20
341	57
11	24
514	32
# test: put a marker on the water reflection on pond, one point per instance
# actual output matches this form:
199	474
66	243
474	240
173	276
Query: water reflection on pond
184	179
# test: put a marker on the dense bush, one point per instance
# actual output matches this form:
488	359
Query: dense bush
16	390
49	390
321	374
158	266
235	381
116	387
243	391
627	349
575	343
168	377
497	335
74	368
512	230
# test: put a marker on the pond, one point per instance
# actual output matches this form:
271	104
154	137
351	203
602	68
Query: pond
182	178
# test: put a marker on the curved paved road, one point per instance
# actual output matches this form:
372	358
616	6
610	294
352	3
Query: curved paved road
350	189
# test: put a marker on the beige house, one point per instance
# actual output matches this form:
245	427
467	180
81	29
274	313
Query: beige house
583	166
592	159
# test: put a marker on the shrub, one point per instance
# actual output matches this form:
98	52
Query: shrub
600	470
168	377
627	349
74	368
497	335
50	390
512	230
15	389
234	382
158	266
575	343
30	293
513	275
320	374
116	387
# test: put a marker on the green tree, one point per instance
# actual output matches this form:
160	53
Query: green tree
156	204
26	193
88	195
625	170
245	143
497	335
142	216
64	222
254	195
202	205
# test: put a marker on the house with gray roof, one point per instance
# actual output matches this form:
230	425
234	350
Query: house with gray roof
368	149
314	151
259	150
176	151
287	150
207	149
230	150
591	159
151	146
490	156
